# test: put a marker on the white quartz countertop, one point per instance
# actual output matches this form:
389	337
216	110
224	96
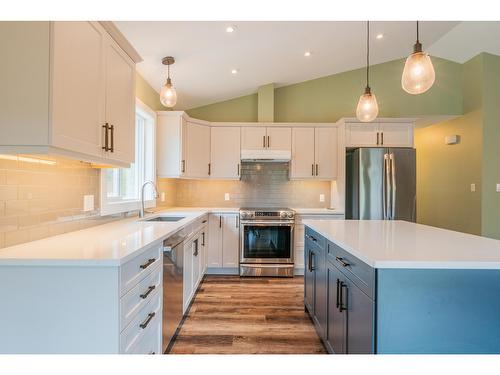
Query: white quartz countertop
109	244
318	211
400	244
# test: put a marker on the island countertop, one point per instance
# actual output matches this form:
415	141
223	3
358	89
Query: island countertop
401	244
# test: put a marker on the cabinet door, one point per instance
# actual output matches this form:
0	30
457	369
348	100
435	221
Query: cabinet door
336	325
361	135
225	152
279	138
326	153
309	279
77	86
302	164
359	319
396	135
253	138
214	254
320	293
197	150
120	102
196	253
230	241
187	274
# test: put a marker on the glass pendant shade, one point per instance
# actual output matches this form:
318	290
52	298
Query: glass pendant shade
418	74
367	109
168	95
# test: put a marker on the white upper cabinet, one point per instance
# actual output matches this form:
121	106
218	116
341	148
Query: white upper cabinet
396	134
314	153
302	164
197	161
389	134
253	138
183	146
266	138
82	79
225	152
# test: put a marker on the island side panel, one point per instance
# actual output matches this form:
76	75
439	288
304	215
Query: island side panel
65	309
438	311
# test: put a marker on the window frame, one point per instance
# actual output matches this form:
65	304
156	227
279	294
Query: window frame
116	206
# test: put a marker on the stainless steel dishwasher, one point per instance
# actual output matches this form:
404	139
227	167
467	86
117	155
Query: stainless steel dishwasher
173	268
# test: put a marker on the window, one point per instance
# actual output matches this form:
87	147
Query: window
121	187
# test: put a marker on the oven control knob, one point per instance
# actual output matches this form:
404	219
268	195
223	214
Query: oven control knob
283	214
289	215
244	215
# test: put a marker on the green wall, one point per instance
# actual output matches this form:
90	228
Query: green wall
147	94
239	109
329	98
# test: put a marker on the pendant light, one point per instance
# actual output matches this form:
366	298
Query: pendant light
418	74
367	109
168	95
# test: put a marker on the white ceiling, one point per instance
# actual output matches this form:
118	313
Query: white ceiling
266	52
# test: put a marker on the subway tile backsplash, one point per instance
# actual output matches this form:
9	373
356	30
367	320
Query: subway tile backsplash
261	184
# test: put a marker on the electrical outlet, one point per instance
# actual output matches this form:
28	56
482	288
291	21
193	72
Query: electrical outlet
498	188
226	196
473	187
88	203
322	197
162	196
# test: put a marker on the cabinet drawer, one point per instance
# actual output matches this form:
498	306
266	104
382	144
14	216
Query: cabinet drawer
136	269
132	302
361	274
314	239
149	343
147	320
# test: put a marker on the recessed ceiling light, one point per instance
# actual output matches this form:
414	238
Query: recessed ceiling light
307	53
234	71
230	29
379	36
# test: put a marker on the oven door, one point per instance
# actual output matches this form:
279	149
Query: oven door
266	242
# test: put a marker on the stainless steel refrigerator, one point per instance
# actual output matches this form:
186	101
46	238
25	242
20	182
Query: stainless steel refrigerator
381	184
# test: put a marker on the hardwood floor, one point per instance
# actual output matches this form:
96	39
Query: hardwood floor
233	315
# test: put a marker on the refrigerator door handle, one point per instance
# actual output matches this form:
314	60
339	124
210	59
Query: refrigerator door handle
385	187
393	186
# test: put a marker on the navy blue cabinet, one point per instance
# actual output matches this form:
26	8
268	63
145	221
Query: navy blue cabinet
335	340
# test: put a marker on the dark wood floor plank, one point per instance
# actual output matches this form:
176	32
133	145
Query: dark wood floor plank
233	315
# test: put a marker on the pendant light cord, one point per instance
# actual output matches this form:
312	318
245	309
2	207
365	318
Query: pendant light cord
367	53
418	41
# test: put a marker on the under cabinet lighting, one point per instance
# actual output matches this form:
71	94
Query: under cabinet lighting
27	159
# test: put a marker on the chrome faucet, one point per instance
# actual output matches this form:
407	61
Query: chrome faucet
141	212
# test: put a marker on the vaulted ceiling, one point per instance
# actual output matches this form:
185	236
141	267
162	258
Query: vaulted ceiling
265	52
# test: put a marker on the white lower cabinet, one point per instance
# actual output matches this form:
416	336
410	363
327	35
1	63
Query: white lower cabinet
223	243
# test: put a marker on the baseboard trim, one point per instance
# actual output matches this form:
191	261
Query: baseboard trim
223	271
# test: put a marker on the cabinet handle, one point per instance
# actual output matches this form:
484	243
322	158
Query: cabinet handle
264	141
203	239
148	263
311	238
209	168
312	169
220	221
317	169
342	307
144	324
105	147
183	166
309	261
204	221
195	248
378	135
342	261
148	292
112	148
268	141
381	138
338	292
312	262
152	353
238	169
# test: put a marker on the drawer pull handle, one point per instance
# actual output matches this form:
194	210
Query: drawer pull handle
144	324
342	306
312	238
148	292
342	261
152	353
148	263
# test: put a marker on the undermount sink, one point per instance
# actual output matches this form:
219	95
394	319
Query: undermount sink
166	218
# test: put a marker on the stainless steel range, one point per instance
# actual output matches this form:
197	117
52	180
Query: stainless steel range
266	242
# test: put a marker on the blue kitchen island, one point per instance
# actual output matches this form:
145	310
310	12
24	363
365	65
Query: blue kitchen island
374	286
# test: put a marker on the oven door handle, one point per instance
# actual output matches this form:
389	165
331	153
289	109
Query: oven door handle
268	223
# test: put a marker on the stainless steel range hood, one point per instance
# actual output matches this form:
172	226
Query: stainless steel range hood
277	156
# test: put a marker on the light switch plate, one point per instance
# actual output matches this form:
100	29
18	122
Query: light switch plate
322	197
473	187
226	196
88	203
498	188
